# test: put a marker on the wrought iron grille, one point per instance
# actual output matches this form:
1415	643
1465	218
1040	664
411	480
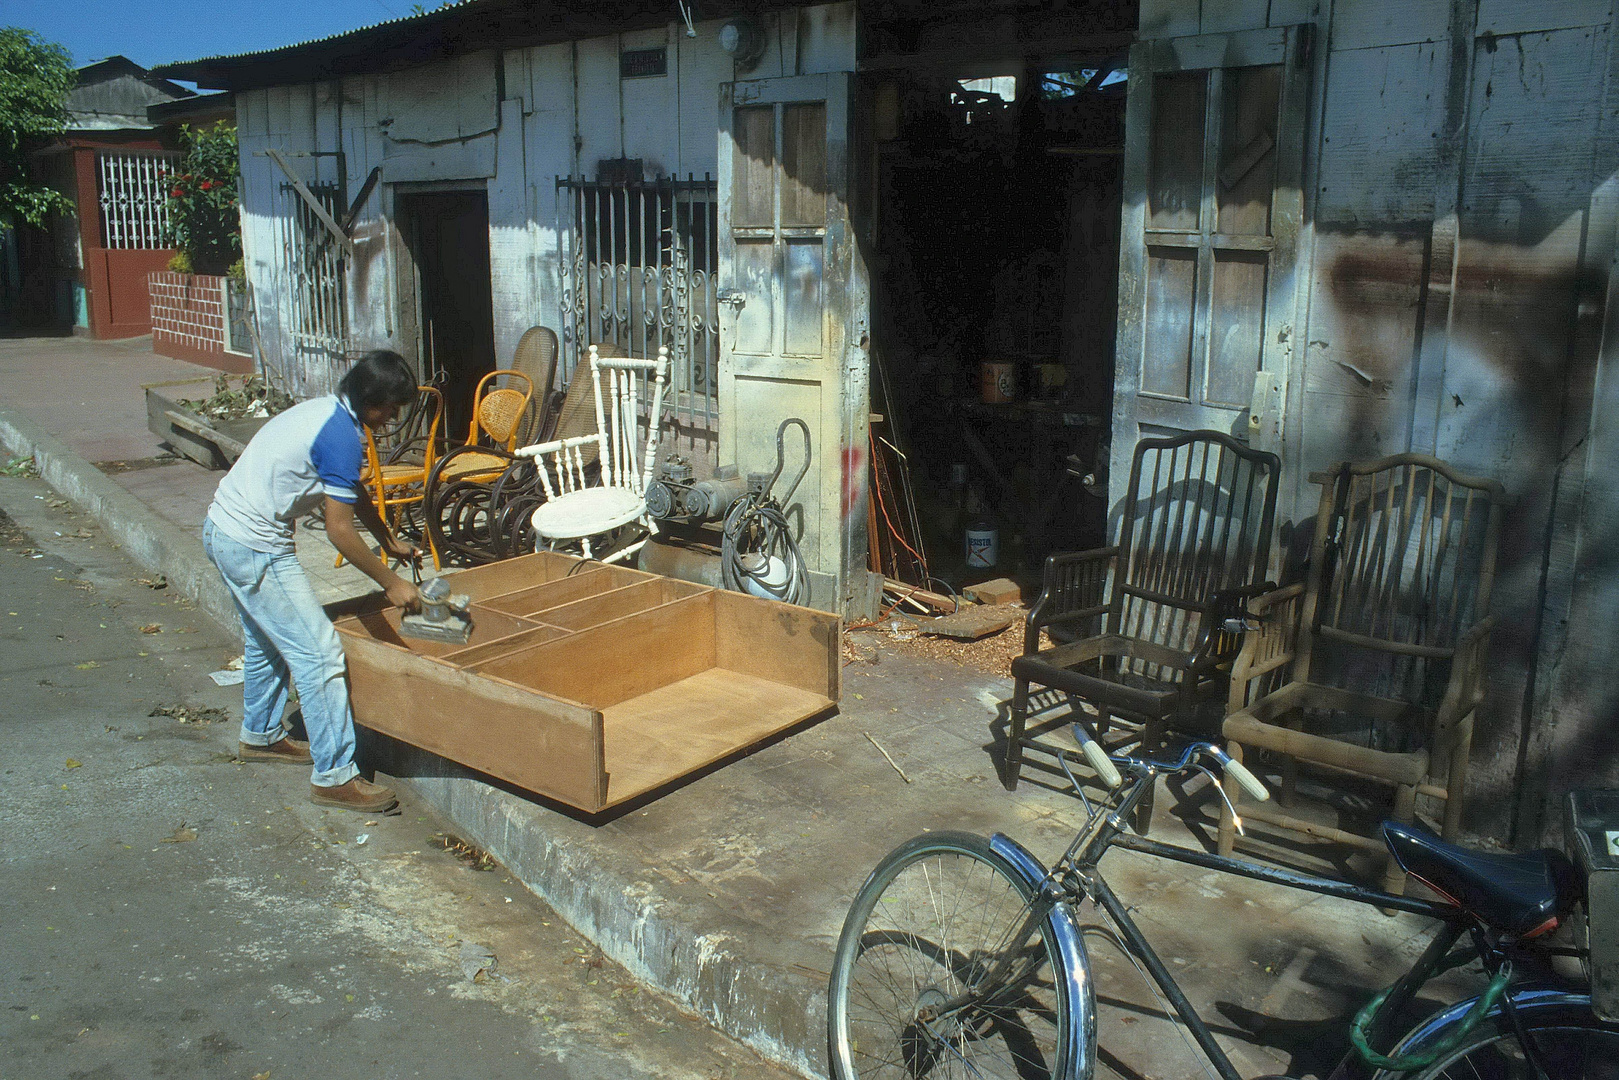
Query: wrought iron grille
316	270
134	200
639	265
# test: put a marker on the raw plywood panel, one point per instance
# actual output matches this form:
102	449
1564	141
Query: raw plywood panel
1384	108
590	611
496	579
539	598
793	646
471	655
383	625
539	743
652	107
1502	17
620	660
677	729
1363	24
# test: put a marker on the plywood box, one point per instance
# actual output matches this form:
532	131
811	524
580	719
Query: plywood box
590	684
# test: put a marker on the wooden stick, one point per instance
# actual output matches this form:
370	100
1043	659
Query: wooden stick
937	600
886	758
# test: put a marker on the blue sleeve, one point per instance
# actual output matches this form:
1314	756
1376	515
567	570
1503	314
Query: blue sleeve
336	455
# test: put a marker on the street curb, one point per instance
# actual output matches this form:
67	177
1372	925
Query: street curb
608	898
150	540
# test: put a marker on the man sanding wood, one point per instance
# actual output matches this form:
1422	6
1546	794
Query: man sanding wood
305	457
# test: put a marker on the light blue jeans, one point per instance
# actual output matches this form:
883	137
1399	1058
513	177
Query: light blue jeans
289	642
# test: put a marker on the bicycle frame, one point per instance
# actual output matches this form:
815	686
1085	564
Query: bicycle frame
1075	876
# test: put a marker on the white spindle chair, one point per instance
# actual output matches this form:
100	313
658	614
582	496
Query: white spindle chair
575	510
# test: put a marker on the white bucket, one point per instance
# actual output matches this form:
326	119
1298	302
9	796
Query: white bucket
983	545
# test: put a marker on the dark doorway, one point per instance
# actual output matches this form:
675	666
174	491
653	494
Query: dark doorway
448	234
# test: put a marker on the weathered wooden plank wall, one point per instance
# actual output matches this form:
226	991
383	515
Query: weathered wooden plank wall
1459	253
563	110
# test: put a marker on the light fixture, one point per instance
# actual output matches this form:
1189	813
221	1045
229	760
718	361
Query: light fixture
743	39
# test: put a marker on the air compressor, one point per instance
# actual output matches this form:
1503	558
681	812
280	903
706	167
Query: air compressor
729	530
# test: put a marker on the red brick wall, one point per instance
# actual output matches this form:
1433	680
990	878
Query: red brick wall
188	320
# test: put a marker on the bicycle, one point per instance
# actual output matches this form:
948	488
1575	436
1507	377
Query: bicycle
961	955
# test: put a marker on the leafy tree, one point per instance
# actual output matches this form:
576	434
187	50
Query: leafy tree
35	77
204	221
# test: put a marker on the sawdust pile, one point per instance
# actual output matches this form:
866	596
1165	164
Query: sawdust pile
991	654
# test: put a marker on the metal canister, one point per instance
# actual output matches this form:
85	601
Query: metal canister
997	382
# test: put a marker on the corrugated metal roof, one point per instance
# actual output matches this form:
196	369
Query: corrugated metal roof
470	26
269	53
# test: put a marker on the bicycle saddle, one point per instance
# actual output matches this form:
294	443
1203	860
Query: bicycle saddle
1522	895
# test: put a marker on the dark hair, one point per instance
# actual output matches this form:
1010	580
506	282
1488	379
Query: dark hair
378	378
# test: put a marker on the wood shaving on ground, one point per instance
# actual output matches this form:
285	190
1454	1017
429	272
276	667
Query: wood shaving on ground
992	655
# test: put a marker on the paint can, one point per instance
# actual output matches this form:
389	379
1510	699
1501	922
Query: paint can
997	382
983	545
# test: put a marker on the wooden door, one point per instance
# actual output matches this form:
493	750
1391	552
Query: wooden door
1212	210
793	315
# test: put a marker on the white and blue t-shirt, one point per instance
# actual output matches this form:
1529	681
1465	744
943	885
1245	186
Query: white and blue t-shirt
311	451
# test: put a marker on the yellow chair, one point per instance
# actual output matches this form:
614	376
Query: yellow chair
396	473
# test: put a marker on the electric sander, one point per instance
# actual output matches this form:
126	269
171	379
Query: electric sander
443	618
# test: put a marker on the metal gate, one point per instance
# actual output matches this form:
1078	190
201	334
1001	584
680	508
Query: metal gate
315	267
638	271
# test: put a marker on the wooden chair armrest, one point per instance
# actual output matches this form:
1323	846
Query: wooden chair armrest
1465	688
1049	609
1269	645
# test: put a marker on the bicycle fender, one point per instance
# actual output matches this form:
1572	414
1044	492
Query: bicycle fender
1531	1002
1080	1053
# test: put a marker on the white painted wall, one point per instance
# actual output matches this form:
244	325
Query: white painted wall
564	109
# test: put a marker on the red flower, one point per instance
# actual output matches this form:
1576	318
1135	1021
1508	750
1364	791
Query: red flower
176	194
206	185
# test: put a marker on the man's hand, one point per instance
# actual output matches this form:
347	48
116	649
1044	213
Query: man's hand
400	548
403	595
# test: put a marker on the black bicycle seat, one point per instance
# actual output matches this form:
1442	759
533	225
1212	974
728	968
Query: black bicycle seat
1517	894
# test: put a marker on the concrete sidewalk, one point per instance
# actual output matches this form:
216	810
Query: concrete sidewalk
728	893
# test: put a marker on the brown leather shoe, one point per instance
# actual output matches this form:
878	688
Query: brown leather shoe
358	794
292	751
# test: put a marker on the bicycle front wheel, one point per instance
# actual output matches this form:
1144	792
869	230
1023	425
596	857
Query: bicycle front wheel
1570	1046
941	971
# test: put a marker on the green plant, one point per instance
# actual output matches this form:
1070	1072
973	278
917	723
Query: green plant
237	270
35	76
180	264
204	221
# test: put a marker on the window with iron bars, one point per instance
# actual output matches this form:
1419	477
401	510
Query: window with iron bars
134	200
316	270
639	267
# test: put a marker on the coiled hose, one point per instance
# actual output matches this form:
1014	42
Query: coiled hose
758	554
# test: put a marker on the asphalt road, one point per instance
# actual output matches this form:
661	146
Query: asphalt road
166	910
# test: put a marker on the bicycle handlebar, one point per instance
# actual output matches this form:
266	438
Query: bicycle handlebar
1109	773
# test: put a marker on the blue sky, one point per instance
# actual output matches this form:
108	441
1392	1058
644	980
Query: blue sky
152	32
